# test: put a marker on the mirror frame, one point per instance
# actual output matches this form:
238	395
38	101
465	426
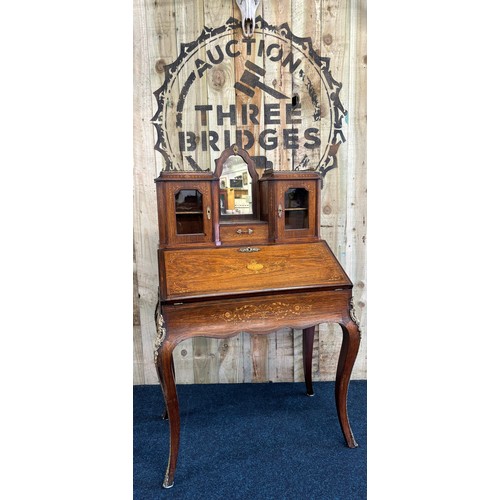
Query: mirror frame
234	150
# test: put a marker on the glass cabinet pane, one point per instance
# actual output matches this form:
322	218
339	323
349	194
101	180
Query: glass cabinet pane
297	209
189	211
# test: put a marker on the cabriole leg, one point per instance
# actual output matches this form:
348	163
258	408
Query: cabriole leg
167	379
348	352
164	361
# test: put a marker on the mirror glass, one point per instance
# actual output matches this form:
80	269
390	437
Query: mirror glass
235	187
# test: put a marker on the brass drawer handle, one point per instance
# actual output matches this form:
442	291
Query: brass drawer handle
249	249
241	231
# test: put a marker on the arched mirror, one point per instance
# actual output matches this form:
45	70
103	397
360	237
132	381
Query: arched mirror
238	190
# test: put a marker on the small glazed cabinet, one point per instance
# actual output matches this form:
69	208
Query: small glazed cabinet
185	204
193	207
292	205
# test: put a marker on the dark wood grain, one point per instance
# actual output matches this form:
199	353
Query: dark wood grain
275	185
247	233
257	314
348	353
219	272
167	185
165	367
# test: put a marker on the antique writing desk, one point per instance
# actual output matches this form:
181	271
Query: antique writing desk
256	267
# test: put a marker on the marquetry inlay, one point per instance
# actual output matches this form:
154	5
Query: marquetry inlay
220	271
255	266
276	310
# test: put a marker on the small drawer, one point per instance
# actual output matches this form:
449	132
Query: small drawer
244	233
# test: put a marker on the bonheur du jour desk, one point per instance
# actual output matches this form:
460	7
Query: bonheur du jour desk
222	273
221	292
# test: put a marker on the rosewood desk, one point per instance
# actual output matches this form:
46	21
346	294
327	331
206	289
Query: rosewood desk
258	289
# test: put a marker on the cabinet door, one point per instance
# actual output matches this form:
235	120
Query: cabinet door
190	208
296	211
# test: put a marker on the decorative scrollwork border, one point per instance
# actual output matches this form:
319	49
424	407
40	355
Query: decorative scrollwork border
352	313
250	312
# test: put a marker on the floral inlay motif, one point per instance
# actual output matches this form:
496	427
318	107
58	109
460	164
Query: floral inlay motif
276	310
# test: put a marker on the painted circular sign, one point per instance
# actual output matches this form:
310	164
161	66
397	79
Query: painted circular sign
269	94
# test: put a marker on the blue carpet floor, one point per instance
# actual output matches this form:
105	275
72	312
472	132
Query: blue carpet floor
251	441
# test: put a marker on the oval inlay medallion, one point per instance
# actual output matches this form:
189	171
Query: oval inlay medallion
254	266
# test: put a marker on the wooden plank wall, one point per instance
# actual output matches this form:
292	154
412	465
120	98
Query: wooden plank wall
338	31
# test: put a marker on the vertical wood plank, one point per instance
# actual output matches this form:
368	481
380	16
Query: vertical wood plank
335	44
260	358
246	128
136	315
306	86
220	77
190	20
206	361
162	34
246	354
231	368
329	342
271	357
315	363
298	368
330	334
164	50
284	356
277	76
138	375
184	362
356	174
145	216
